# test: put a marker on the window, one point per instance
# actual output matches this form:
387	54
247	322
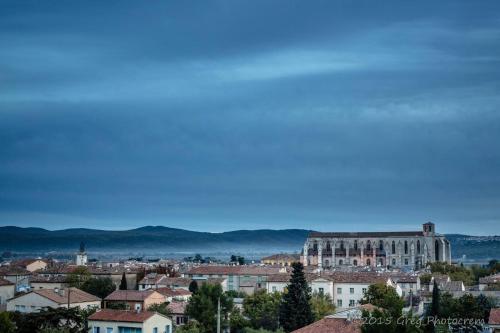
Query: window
393	247
355	244
368	262
129	330
327	263
406	247
355	262
274	289
381	245
155	330
109	330
418	246
167	329
341	245
351	290
368	245
321	290
339	291
393	262
341	262
406	261
96	330
352	303
339	303
363	290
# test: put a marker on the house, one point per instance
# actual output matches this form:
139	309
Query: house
239	278
174	295
349	288
48	282
177	282
318	283
17	275
31	265
178	311
409	283
7	290
153	281
452	286
135	299
36	300
122	321
281	259
332	325
490	282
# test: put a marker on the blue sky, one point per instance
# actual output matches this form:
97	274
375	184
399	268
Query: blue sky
223	115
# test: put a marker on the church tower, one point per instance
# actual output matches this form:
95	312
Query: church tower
81	256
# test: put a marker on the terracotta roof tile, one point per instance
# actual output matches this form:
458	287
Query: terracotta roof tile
4	282
331	325
75	295
121	316
129	295
494	317
177	307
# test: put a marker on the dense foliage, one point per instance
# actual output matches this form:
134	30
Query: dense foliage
262	309
321	305
202	307
73	320
78	277
100	287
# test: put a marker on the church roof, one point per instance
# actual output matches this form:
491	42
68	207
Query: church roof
316	234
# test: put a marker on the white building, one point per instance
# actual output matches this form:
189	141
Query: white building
81	256
7	290
37	300
122	321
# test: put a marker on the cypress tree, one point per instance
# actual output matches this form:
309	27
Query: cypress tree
193	286
123	283
295	309
435	300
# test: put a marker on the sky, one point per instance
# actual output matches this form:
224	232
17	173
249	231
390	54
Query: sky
224	115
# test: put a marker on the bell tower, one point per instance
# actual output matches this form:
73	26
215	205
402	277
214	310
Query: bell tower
429	229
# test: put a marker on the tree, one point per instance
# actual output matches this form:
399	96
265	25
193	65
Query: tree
161	308
123	282
237	322
321	305
202	307
295	309
100	287
78	277
262	309
384	297
193	286
434	311
191	327
6	324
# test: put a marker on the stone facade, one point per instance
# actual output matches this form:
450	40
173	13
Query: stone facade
406	249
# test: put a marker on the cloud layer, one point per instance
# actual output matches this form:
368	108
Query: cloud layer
264	114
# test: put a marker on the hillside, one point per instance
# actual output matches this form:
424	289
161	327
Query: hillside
171	240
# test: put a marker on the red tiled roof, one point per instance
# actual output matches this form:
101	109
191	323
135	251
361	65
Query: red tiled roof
129	295
25	262
177	307
233	270
154	278
494	317
358	277
4	282
121	316
172	293
331	325
282	256
75	295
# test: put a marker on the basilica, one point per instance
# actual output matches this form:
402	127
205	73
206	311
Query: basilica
397	249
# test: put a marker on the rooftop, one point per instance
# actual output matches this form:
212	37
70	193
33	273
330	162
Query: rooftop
61	296
494	317
316	234
129	295
332	325
121	316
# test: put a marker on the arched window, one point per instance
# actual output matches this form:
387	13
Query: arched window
393	262
368	262
328	247
355	244
418	246
355	262
341	245
315	246
406	247
381	245
393	247
327	263
341	262
381	262
368	245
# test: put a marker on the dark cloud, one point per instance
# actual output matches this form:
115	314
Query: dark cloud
224	115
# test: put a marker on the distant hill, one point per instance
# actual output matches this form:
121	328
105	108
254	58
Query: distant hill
160	239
